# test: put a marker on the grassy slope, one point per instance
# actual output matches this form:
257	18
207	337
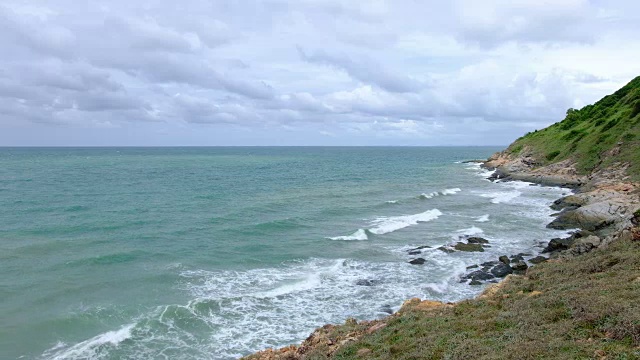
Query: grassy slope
585	135
582	308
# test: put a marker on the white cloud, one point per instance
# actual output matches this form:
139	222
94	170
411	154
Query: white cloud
401	72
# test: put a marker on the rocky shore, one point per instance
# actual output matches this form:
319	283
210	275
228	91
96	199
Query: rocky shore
602	205
604	209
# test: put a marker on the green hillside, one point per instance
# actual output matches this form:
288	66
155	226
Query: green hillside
595	136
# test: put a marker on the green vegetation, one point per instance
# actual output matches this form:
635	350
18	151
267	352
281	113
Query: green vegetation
583	308
595	136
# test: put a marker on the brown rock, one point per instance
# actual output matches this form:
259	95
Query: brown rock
363	352
376	327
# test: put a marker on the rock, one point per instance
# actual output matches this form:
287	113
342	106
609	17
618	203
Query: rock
501	270
478	275
418	261
386	309
475	282
538	260
415	252
583	245
517	258
473	267
504	259
421	248
367	282
519	266
376	327
570	202
477	240
590	217
581	248
468	247
558	244
489	264
448	250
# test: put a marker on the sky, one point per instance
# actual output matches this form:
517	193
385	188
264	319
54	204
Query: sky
305	72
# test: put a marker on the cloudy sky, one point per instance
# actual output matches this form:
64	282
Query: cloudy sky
305	72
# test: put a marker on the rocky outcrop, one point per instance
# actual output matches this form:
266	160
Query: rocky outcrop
602	206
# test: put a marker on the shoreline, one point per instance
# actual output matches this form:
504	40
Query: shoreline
588	209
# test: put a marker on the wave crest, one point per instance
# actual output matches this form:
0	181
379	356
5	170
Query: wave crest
385	225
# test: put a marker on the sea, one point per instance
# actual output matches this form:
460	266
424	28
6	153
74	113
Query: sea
218	252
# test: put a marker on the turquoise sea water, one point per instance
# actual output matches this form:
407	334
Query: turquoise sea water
213	253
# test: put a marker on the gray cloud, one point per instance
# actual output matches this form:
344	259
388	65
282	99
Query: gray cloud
456	72
366	71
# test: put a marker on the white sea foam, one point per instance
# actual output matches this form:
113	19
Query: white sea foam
483	218
261	308
430	195
392	202
385	225
310	281
500	197
361	234
433	194
90	349
479	170
451	191
472	231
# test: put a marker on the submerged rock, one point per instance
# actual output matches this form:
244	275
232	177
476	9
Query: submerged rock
448	250
477	240
367	282
415	252
468	247
418	261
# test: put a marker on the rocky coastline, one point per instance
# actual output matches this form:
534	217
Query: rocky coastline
603	209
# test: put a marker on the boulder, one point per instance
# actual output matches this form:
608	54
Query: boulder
468	247
421	248
478	275
418	261
519	266
448	250
504	259
558	244
367	282
386	309
518	257
489	263
538	260
590	217
570	202
415	252
501	270
477	240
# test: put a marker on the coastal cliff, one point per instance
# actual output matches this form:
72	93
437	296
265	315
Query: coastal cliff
582	302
